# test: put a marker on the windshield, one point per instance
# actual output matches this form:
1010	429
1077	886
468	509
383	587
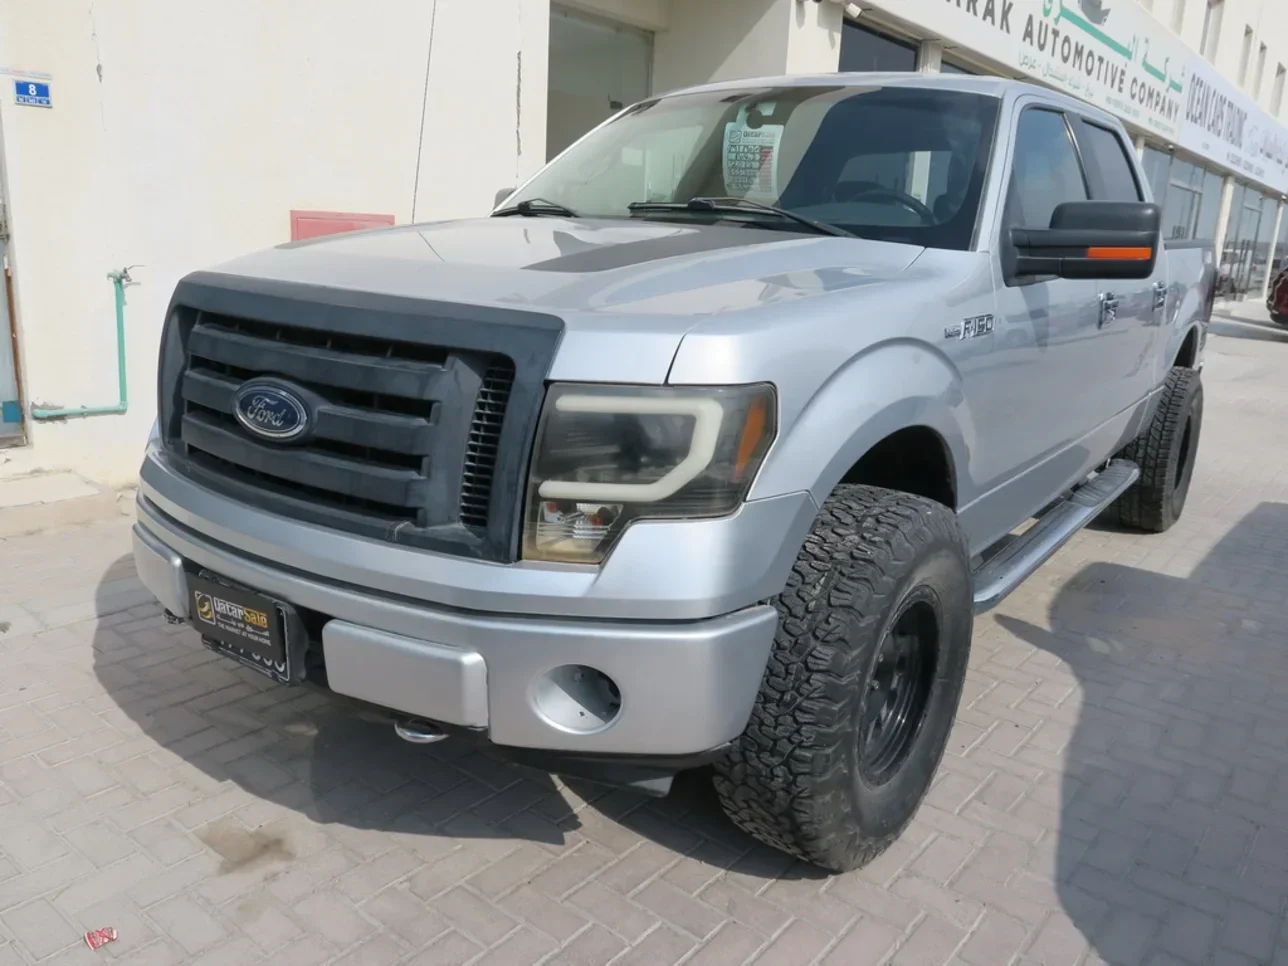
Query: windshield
902	164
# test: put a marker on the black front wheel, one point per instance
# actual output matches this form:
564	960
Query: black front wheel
863	681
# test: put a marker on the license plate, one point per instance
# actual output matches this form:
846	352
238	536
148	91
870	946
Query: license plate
246	626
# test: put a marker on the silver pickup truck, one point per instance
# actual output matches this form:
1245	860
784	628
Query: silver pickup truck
704	448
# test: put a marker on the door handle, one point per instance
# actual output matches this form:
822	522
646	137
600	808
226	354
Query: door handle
1160	295
1108	309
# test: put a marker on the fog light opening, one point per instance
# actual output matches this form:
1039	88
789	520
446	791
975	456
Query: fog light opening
578	698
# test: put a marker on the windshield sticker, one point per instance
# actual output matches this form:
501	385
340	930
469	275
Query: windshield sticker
751	153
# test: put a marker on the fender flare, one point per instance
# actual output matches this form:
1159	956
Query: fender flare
1195	327
894	385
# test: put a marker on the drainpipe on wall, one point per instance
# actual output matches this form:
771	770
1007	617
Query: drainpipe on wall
119	281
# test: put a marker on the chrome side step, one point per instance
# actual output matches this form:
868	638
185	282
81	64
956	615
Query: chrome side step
1002	572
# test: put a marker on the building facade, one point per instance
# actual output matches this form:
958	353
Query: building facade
165	137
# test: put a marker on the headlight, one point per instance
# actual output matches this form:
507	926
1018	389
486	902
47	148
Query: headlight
608	455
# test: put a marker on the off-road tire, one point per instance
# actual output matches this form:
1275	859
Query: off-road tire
1165	452
792	779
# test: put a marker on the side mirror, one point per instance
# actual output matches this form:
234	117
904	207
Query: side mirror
1091	239
501	196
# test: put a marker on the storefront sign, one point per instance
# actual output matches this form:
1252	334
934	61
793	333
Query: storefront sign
1224	125
1110	53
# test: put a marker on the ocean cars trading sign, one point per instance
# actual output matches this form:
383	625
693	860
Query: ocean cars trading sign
1108	52
1226	126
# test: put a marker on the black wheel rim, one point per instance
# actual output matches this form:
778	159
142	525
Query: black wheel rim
897	691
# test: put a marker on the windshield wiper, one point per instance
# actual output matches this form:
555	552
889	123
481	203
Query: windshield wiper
740	205
533	207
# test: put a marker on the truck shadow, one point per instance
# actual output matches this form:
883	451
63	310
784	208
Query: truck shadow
1173	830
342	767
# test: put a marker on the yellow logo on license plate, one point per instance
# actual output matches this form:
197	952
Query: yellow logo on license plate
208	607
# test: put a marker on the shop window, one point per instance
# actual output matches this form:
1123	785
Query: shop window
1210	205
1259	266
596	68
1157	164
948	67
1192	202
1245	257
864	49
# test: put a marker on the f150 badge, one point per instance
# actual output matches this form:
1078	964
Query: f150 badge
976	325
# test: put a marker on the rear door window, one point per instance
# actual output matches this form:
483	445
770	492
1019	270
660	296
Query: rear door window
1118	180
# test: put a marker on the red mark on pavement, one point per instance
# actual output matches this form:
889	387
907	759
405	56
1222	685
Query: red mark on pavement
100	937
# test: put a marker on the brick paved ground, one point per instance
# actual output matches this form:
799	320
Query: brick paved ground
1116	790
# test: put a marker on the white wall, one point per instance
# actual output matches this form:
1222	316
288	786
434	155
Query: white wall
182	134
647	14
1269	22
727	39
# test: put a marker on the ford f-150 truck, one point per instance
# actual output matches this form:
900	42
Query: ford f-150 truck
704	448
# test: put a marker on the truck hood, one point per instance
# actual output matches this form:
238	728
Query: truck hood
627	291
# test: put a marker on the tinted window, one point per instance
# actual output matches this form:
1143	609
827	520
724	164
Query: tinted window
866	50
1111	158
898	164
1157	164
1046	171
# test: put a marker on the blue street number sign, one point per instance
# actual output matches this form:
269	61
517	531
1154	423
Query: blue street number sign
31	93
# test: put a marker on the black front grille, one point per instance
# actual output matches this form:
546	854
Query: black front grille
410	440
483	442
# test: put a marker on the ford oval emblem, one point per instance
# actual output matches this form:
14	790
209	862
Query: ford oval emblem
270	411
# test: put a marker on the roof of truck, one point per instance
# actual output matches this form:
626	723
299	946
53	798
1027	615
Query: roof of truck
996	86
1000	87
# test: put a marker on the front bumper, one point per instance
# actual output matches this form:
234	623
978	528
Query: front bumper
685	686
660	570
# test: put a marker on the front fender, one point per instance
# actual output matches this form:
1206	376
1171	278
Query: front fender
891	386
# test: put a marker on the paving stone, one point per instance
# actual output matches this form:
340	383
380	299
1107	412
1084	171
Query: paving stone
1112	791
38	928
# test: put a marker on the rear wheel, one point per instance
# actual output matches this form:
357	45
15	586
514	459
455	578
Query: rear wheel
862	684
1165	453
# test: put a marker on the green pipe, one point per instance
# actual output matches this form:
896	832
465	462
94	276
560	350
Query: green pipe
118	283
